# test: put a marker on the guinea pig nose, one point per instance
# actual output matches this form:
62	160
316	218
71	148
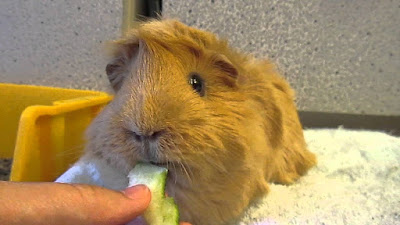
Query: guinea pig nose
156	134
150	135
137	136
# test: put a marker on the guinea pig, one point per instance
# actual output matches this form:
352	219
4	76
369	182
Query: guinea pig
223	122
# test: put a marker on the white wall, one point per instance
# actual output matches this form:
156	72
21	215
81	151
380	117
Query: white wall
57	43
340	56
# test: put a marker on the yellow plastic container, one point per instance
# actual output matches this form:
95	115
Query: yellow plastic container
42	128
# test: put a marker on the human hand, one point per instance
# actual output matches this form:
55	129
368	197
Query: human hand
56	203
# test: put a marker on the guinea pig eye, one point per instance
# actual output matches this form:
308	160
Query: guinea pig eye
197	83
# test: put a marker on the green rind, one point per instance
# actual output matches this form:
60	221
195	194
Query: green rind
171	209
162	210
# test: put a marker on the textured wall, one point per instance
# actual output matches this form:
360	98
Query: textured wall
57	43
340	56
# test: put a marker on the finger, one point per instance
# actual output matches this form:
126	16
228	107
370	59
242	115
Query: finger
70	204
184	223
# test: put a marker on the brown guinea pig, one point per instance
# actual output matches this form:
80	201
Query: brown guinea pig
223	123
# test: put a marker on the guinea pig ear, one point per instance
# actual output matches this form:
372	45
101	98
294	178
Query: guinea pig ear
123	53
222	63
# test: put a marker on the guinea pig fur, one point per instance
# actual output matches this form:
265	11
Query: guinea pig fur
224	123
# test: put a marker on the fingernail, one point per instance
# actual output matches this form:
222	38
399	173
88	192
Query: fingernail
137	192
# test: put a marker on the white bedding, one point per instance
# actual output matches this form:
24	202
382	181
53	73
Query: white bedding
357	181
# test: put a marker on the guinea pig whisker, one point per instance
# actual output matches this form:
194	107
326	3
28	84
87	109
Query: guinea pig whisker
183	168
190	171
175	177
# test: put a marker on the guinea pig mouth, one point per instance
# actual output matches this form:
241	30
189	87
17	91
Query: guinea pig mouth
162	164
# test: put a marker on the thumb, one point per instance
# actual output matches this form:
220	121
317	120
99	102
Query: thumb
108	207
58	203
